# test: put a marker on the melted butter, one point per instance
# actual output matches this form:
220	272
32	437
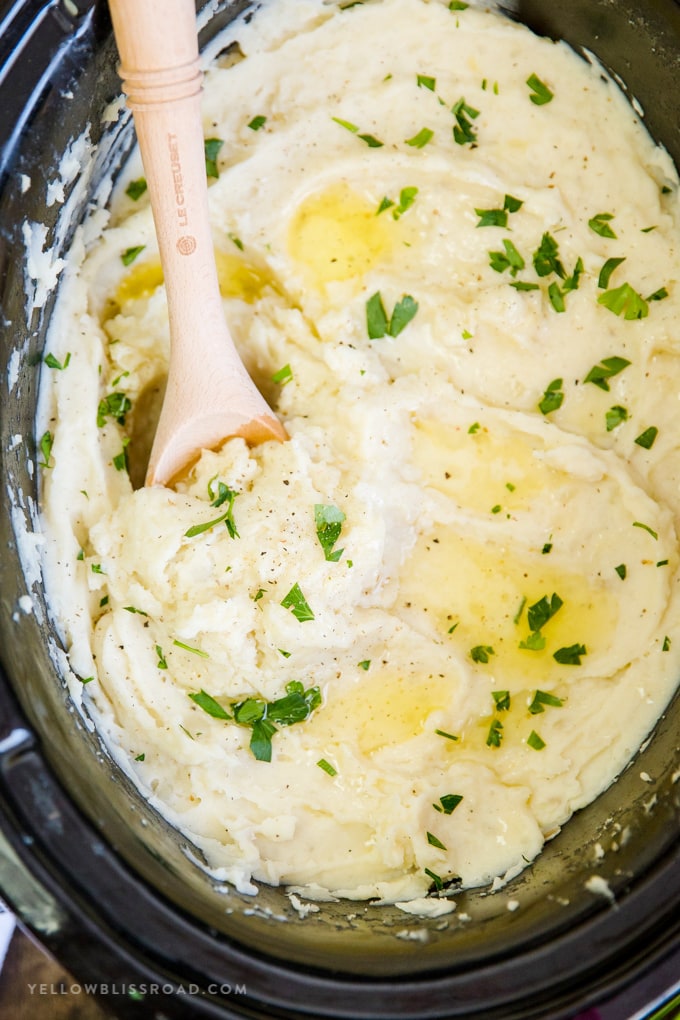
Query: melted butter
384	708
141	281
486	588
238	278
480	470
336	235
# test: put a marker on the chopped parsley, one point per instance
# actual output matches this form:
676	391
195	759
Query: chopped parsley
481	653
615	416
607	269
53	362
570	656
666	647
209	704
433	841
257	122
297	603
224	495
646	438
448	803
283	376
501	700
365	664
116	406
426	82
377	323
626	301
608	367
370	140
621	570
407	197
495	735
327	767
420	140
162	663
498	217
552	398
458	5
556	297
140	757
448	736
328	520
190	648
535	742
543	610
136	189
546	258
540	94
212	148
463	130
510	259
263	716
46	443
130	254
600	224
543	698
646	527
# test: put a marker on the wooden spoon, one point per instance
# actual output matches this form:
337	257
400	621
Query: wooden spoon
210	396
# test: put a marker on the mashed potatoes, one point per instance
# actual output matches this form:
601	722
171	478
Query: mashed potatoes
398	651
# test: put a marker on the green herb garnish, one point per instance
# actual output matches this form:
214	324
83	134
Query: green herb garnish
621	570
116	406
53	362
495	735
608	367
481	653
136	189
534	741
624	301
46	443
615	416
501	700
262	716
433	841
463	130
607	269
162	663
600	224
327	767
426	82
448	803
328	520
297	603
377	324
540	93
212	148
257	122
646	438
510	259
570	656
546	258
543	698
283	376
420	140
552	398
646	527
190	648
209	705
130	254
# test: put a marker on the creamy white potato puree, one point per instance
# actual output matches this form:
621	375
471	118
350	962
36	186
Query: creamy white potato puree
447	610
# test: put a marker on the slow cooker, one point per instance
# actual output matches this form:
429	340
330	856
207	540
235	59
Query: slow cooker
88	866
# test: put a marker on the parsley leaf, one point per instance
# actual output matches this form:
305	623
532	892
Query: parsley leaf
136	189
626	301
646	438
297	603
402	313
546	259
540	93
552	398
615	416
501	700
481	653
495	734
130	254
257	122
420	140
608	367
543	610
212	148
377	324
116	406
463	130
600	224
328	520
46	442
448	803
543	698
433	841
508	259
570	656
535	742
607	269
209	704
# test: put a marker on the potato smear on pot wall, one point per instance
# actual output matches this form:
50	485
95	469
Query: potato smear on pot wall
394	654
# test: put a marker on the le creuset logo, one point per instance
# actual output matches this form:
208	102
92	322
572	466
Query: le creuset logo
136	992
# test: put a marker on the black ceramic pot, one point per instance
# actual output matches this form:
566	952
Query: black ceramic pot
90	868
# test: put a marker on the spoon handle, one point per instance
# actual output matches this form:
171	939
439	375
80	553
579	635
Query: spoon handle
209	396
